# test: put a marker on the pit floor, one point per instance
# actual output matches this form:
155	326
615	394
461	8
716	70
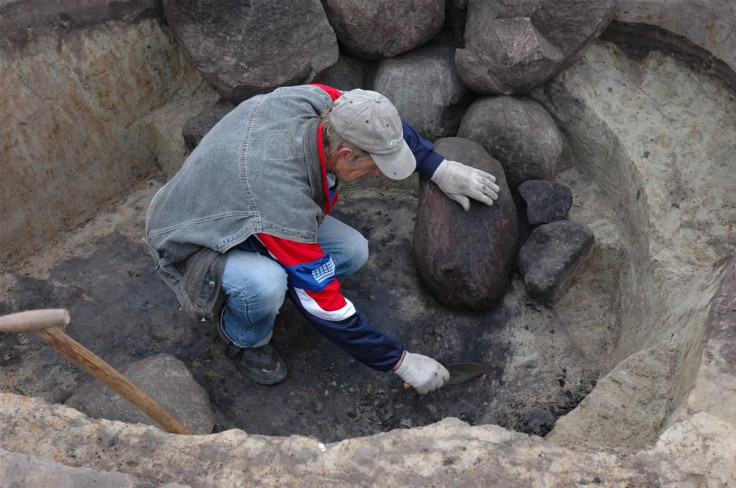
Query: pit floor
540	361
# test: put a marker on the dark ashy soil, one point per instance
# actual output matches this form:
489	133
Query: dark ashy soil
536	369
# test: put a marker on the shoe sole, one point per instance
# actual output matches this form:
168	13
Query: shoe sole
261	381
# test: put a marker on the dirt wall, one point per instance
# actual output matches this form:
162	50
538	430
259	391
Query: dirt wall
87	112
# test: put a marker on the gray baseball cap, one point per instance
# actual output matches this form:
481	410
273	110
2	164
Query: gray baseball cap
369	121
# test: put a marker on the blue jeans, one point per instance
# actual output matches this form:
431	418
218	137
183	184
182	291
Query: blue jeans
255	285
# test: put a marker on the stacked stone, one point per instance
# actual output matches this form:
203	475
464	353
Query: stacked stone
467	80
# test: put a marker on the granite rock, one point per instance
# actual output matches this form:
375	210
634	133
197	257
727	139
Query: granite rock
465	258
511	47
550	257
426	89
519	132
545	201
243	49
384	28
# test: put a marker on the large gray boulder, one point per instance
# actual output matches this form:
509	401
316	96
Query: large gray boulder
384	28
511	47
518	132
246	48
347	74
549	258
165	379
426	89
465	258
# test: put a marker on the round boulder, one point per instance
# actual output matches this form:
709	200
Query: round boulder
246	48
426	89
384	28
347	74
511	47
465	258
518	132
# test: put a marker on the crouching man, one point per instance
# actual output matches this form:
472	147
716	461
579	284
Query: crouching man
246	221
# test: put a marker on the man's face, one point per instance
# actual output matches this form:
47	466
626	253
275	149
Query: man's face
347	169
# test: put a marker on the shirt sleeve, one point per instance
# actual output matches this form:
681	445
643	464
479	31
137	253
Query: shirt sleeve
427	159
314	289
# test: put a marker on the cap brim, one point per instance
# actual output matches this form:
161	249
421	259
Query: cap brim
398	165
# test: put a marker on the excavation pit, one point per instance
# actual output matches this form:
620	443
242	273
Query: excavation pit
628	333
540	361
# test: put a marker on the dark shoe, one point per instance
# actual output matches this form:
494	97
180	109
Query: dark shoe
261	364
232	350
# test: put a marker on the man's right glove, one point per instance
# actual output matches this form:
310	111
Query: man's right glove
461	182
422	372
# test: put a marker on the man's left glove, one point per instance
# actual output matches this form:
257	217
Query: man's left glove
460	183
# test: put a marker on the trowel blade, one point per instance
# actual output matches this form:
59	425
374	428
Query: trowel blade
462	372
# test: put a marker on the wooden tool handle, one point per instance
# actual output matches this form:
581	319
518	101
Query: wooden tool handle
34	320
112	378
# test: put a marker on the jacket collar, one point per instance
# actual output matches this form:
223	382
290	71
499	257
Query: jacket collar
329	195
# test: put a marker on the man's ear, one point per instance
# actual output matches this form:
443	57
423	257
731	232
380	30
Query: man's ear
346	154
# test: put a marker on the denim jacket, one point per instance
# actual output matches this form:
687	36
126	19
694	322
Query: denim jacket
256	171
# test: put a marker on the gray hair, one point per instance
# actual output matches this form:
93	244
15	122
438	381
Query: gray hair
333	142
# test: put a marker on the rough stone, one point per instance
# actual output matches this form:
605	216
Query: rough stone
243	49
519	132
199	125
511	47
426	89
550	257
465	258
545	202
347	74
165	379
384	28
699	451
19	470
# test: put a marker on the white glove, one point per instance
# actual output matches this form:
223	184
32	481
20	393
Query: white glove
460	183
422	372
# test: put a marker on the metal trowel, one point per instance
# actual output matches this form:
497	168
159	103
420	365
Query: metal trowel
461	372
